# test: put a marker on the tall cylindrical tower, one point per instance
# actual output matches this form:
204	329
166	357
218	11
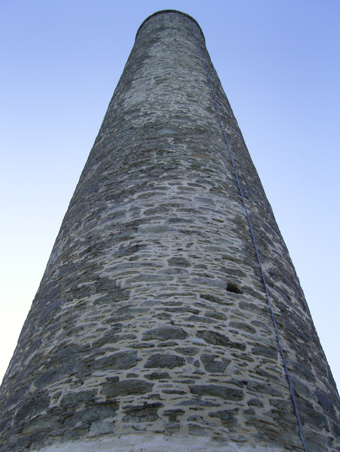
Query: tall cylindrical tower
170	316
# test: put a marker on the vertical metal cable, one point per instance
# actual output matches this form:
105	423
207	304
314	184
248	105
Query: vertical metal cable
256	250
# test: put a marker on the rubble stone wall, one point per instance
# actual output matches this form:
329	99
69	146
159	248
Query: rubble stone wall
151	317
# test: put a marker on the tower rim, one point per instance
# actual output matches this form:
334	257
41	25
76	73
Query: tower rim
166	11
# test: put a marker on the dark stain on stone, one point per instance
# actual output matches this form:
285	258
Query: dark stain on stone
231	287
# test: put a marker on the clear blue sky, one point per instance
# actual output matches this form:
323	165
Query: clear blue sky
279	63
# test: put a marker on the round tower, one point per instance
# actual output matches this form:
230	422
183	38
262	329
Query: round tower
170	316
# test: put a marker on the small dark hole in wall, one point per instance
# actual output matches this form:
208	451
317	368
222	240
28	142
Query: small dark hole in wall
231	287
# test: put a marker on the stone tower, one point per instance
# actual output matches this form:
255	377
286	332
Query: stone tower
170	316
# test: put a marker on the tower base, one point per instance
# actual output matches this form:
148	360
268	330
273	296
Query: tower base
153	443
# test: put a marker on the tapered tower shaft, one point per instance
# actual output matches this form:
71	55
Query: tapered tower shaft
151	328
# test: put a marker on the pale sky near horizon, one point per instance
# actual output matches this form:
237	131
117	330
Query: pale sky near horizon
279	63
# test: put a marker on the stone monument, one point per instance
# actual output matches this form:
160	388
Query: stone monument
170	316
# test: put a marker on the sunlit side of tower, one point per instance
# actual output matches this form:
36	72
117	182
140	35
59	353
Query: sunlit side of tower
170	316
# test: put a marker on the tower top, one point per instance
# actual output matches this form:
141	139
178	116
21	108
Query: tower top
166	11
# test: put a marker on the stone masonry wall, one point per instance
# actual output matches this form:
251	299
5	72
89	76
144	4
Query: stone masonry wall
151	317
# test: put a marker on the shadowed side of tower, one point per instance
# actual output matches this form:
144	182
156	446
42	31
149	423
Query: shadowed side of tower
151	328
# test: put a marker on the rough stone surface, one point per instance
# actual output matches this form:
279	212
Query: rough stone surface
154	443
151	317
